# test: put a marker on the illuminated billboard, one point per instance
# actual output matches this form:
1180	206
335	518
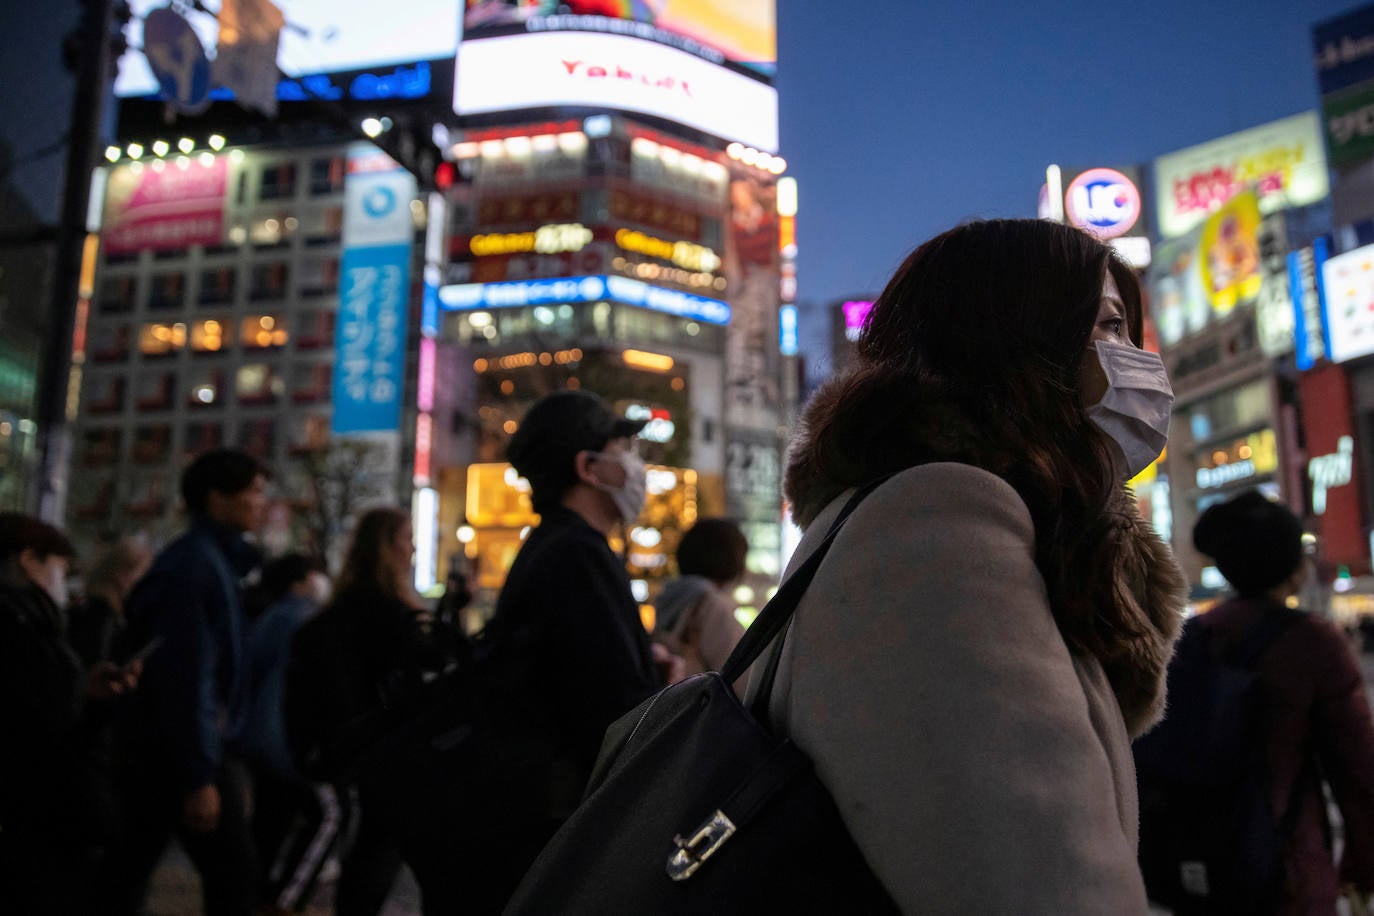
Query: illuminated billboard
321	37
1283	161
1348	304
582	69
469	296
742	33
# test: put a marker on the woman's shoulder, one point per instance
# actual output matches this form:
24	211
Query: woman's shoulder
960	495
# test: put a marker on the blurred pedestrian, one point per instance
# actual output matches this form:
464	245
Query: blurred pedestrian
50	839
367	654
694	615
295	822
1312	728
181	772
97	620
993	622
567	614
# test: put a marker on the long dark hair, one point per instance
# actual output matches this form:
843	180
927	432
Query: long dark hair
981	334
366	563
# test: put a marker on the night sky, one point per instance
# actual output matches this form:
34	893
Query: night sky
902	118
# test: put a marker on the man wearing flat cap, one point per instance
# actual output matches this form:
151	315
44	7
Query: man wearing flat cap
567	610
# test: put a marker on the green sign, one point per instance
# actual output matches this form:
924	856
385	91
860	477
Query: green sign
1349	119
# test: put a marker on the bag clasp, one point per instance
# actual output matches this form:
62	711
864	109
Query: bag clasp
702	844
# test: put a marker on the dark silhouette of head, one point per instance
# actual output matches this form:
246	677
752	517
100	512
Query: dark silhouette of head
1256	542
713	548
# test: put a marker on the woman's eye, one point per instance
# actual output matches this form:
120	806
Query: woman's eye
1114	325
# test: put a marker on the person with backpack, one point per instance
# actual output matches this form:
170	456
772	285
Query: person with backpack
993	622
694	615
1266	703
354	673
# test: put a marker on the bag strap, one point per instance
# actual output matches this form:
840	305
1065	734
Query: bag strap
773	619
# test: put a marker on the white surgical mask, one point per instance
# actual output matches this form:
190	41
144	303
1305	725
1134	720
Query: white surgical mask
1135	410
629	496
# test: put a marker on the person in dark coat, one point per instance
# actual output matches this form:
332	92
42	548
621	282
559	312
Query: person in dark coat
567	610
1316	716
50	842
182	775
295	822
97	621
363	658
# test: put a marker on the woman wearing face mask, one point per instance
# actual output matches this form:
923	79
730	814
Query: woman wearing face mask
993	623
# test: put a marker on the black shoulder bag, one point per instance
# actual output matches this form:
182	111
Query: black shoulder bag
695	806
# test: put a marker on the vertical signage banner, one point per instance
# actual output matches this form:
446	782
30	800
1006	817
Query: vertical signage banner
1333	487
374	293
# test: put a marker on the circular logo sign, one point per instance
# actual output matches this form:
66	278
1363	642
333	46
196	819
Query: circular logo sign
379	202
1103	202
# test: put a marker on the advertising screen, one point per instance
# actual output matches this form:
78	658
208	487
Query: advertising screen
740	32
1283	161
1348	304
320	36
546	69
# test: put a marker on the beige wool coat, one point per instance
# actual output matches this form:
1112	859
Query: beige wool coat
979	765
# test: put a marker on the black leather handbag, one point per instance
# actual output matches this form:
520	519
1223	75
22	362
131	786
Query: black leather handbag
696	807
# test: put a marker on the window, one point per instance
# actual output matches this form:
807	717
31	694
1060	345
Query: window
100	447
309	433
327	176
310	384
316	329
217	285
208	336
278	181
154	391
161	339
255	383
152	444
262	331
201	437
107	342
322	227
146	495
105	394
319	277
270	280
257	437
166	291
206	388
117	294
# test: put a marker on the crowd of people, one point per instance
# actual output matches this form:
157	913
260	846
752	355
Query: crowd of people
987	636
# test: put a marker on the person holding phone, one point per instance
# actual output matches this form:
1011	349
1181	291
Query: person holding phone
49	843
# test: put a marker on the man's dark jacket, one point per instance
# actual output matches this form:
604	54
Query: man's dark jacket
567	609
193	696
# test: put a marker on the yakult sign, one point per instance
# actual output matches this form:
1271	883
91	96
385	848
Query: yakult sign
1283	161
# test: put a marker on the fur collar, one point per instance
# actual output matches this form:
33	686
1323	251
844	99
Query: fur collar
836	447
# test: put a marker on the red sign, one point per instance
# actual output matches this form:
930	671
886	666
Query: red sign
659	214
165	204
1334	496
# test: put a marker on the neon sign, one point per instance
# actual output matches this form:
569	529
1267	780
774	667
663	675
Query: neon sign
550	239
684	254
401	83
471	296
1330	471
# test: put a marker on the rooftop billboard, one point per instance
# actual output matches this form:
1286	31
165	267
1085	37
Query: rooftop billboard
740	33
1283	161
319	37
595	70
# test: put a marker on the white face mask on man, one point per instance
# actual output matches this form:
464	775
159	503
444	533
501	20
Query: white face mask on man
629	496
1135	410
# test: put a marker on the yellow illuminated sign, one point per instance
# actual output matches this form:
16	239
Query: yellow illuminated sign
684	254
550	239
